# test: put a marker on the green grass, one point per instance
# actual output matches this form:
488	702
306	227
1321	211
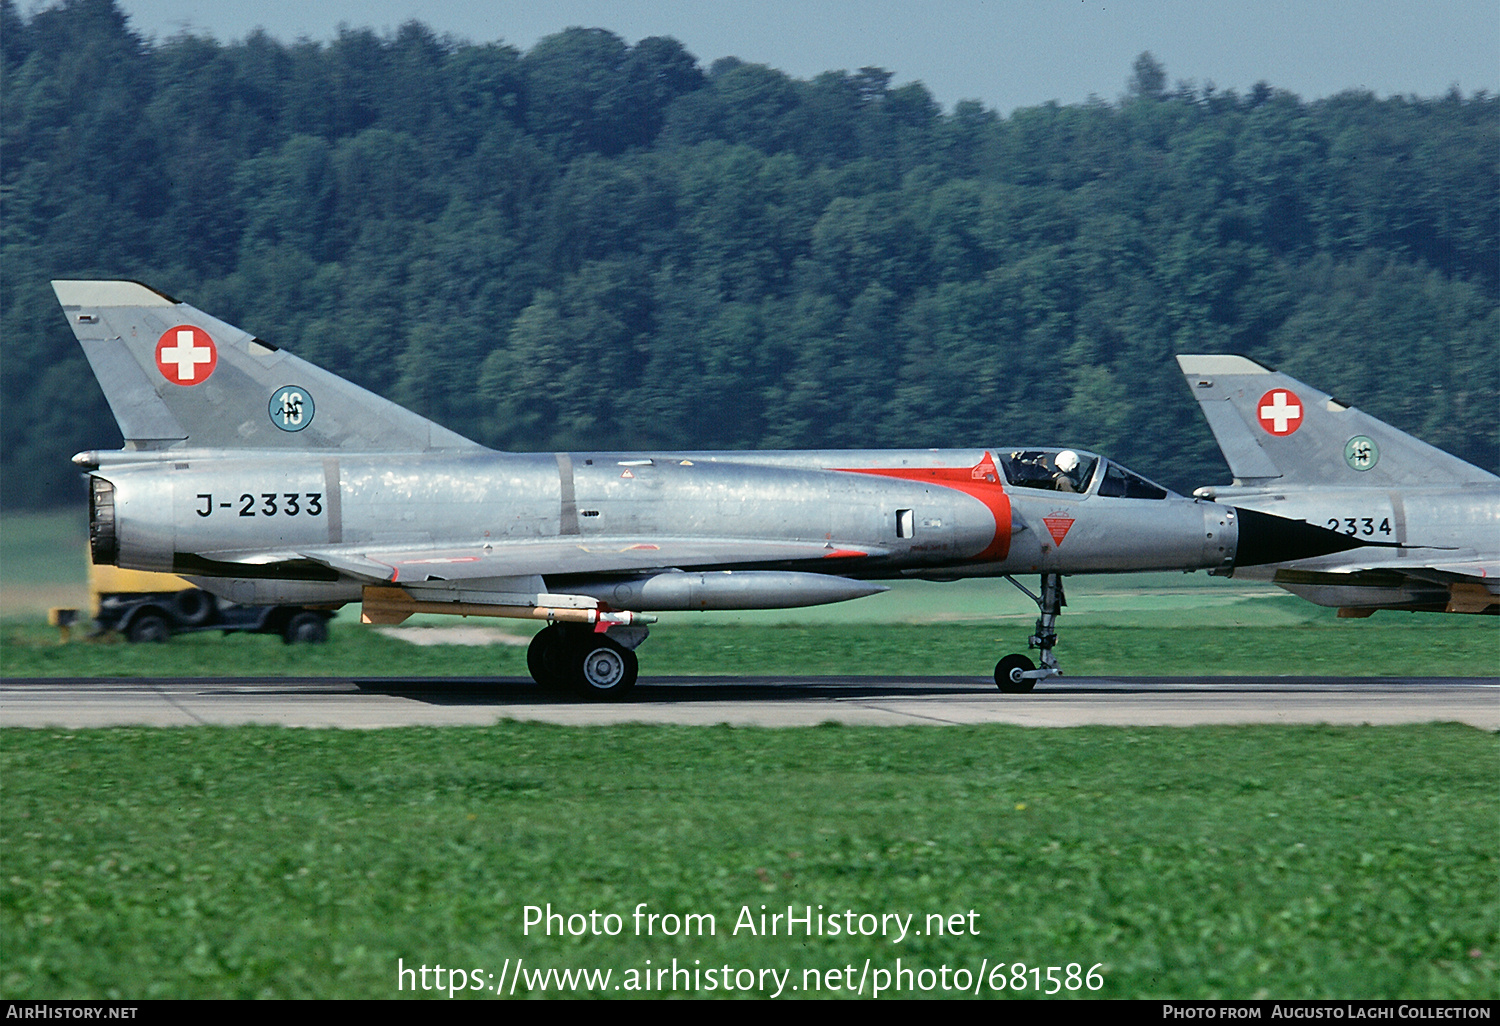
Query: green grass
1310	862
1387	645
46	548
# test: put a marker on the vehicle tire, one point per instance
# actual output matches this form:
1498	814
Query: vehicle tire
305	628
193	606
546	656
1008	674
602	669
148	627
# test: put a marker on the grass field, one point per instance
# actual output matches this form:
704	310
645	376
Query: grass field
263	862
43	562
1336	648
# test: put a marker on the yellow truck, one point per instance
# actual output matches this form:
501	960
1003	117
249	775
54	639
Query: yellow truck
145	606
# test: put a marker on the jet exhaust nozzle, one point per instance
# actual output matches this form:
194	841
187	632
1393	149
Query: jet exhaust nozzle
104	542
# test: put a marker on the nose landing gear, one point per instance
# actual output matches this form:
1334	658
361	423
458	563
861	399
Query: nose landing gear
1017	673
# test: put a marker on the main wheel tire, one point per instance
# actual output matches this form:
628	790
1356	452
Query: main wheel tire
546	657
305	629
603	669
148	627
1008	674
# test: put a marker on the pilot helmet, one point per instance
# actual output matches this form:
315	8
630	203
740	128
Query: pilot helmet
1067	461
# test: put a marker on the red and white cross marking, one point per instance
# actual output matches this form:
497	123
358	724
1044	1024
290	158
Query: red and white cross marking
186	355
1279	411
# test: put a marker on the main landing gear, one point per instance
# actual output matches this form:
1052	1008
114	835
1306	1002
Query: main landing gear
576	658
1017	673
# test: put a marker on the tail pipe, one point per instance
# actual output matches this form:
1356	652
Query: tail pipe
104	543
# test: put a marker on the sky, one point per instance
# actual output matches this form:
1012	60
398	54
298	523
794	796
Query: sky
1004	53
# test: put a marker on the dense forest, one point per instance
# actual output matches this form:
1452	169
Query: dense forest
604	245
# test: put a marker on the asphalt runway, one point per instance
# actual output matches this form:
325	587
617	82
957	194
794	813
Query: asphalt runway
751	701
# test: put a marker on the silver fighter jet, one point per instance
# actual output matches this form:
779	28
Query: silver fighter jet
1298	453
265	479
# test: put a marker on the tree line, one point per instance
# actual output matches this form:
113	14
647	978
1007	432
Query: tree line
604	245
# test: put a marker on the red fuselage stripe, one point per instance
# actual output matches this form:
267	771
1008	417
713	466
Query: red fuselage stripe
962	479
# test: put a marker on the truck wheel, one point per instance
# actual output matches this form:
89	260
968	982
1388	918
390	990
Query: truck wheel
193	606
148	627
305	629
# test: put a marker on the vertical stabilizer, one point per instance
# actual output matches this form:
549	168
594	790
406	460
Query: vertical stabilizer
176	377
1273	428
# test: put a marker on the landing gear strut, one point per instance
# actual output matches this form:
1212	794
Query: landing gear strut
1017	673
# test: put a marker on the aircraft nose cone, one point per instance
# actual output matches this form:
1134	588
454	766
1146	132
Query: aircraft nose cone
1265	538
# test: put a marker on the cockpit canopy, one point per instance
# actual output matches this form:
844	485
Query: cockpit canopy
1077	472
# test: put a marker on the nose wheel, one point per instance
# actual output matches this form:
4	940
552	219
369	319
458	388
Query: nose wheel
1017	673
1010	674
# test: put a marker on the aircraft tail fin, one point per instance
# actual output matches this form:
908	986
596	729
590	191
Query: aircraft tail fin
1272	428
176	377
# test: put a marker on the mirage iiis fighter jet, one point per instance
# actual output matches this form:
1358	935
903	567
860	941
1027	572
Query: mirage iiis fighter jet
264	479
1298	453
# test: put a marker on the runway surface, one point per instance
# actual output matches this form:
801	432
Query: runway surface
751	701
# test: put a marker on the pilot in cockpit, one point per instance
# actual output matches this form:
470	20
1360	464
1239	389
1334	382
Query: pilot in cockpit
1068	477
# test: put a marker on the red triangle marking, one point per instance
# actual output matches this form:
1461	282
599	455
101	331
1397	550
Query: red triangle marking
1058	526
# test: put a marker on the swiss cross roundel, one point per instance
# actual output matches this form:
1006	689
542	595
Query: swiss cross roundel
185	355
1279	411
